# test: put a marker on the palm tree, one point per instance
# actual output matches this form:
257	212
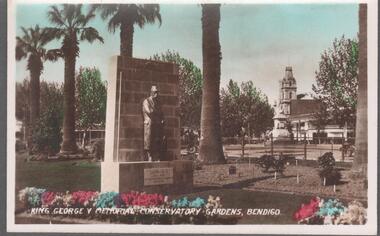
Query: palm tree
211	149
31	45
71	26
126	16
361	140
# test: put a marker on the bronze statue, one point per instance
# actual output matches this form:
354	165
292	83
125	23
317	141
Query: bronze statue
154	139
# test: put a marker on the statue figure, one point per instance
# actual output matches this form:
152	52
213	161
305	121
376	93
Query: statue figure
154	139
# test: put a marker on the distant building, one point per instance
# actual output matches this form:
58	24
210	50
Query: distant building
295	116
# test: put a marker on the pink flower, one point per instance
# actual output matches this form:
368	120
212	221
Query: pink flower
307	210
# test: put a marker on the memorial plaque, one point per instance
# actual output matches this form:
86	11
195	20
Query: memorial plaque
158	176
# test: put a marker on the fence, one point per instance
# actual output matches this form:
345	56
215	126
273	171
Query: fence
305	149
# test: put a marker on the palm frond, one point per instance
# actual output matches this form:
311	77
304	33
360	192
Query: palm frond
26	36
54	33
114	22
82	20
70	12
45	37
108	10
151	13
53	54
20	49
90	34
55	16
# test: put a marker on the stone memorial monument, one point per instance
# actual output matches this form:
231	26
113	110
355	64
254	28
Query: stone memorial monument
142	142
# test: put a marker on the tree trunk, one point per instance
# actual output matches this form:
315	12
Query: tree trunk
68	144
361	140
211	148
34	99
126	39
34	96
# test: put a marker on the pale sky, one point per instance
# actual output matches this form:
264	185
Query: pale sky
257	41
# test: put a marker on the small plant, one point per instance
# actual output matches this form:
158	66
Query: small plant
278	164
326	161
327	172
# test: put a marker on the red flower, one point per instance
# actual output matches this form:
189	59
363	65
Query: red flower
82	198
47	198
307	210
142	199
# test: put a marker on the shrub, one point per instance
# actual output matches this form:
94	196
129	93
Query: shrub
327	169
47	130
326	161
47	133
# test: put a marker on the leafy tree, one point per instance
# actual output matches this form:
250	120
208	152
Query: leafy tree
211	148
125	16
31	45
337	80
91	98
71	26
47	131
22	105
190	88
22	101
247	107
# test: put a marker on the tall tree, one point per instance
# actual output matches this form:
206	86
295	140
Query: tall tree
245	106
125	16
361	139
47	131
31	45
71	26
190	88
211	149
337	80
91	97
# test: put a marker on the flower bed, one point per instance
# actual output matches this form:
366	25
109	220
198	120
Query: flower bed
132	207
331	211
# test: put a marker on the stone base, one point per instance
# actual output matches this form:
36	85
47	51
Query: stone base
133	177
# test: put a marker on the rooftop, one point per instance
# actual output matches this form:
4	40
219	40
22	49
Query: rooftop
303	106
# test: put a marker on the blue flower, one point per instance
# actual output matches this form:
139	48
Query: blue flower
106	200
331	207
197	203
33	196
180	203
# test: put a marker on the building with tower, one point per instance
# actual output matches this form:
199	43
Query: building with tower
288	92
294	116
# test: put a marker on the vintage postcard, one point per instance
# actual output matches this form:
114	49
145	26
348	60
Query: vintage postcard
192	117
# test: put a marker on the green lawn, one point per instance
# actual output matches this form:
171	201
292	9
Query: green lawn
57	175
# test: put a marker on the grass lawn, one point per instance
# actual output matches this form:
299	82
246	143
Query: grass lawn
57	175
